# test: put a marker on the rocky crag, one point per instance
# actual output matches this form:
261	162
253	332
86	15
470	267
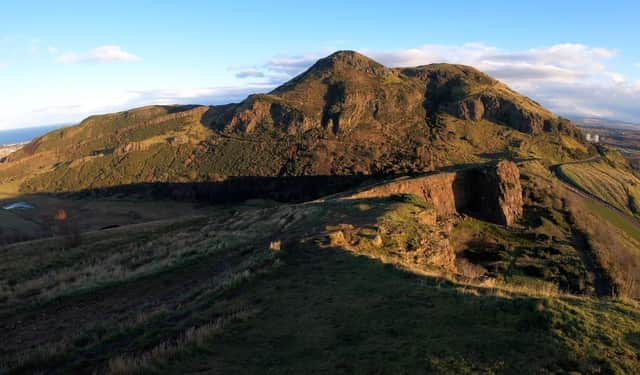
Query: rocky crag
492	192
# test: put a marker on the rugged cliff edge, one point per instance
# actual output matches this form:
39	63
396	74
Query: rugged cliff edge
492	192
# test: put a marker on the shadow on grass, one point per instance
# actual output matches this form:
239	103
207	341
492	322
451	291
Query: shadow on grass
330	311
473	189
323	310
633	338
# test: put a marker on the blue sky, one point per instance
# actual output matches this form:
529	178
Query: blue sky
63	60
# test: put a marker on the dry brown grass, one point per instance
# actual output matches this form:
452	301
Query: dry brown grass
470	270
162	353
616	252
125	253
57	349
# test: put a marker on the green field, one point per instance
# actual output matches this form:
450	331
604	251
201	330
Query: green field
614	185
615	218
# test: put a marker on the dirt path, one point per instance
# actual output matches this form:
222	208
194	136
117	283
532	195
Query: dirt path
601	281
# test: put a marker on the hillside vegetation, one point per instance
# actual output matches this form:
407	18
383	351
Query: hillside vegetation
332	285
615	184
346	115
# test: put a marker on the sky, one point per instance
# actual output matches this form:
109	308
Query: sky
61	61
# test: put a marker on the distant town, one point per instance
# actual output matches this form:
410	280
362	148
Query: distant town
595	138
7	149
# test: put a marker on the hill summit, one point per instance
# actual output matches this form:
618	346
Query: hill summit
346	115
347	89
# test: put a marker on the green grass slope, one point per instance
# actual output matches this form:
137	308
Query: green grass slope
331	286
616	185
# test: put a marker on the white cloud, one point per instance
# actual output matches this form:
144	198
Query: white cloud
291	64
278	69
51	106
559	63
202	95
107	53
616	77
567	78
249	73
52	50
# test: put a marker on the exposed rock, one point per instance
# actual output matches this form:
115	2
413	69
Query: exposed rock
496	193
130	147
377	240
346	89
510	202
438	189
346	116
433	248
472	109
438	252
507	112
491	192
266	110
177	141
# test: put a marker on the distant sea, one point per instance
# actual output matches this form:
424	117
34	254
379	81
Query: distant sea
11	136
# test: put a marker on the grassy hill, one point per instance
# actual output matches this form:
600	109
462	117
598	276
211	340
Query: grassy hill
318	287
346	115
281	275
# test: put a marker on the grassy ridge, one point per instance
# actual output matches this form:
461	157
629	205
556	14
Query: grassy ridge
329	312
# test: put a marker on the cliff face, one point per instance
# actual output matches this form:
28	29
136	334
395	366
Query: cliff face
490	192
443	190
509	195
494	193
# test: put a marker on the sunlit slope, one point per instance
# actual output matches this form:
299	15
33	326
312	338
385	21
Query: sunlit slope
346	115
614	184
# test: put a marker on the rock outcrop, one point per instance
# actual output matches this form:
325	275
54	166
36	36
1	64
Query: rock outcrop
130	147
500	110
509	193
490	192
430	246
442	190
